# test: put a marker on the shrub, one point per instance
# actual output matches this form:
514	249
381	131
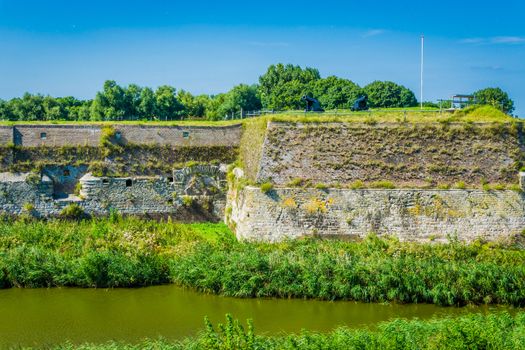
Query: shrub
28	208
357	184
460	185
266	187
72	211
33	179
289	202
382	184
296	182
187	201
107	136
321	186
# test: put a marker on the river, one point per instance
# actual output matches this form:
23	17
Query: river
36	317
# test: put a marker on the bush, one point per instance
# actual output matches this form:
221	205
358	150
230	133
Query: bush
187	201
382	184
266	187
107	136
72	211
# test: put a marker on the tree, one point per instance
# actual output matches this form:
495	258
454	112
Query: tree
132	96
282	87
110	103
167	105
29	107
147	104
213	107
495	97
334	92
387	94
194	106
240	97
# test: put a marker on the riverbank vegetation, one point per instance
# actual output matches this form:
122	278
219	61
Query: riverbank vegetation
130	252
494	331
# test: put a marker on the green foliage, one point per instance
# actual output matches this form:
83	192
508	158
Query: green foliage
240	97
372	271
321	186
266	187
72	211
187	201
122	252
107	135
336	93
114	252
386	94
382	184
282	86
495	97
460	185
357	184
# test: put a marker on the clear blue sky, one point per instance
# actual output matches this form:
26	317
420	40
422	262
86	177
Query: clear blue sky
70	47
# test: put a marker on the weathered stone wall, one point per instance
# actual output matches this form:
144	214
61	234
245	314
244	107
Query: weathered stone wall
180	135
19	192
90	134
410	215
197	193
6	135
56	135
409	155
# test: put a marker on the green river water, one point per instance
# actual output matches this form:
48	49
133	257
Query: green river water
37	317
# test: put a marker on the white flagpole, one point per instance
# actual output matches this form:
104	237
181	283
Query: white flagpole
422	58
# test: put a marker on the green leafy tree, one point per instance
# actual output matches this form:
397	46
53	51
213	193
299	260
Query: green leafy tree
132	96
333	92
387	94
146	106
213	107
282	86
495	97
240	97
194	106
109	104
6	112
167	105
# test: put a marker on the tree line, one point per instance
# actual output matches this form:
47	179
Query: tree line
280	88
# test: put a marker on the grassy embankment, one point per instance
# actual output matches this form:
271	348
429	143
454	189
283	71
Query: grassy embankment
496	331
484	114
132	252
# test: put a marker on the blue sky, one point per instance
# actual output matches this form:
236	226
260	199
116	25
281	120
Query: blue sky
70	47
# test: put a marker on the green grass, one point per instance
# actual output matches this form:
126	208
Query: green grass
478	114
413	115
131	252
494	331
188	122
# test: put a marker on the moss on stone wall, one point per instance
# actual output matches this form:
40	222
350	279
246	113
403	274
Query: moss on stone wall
416	154
114	160
251	146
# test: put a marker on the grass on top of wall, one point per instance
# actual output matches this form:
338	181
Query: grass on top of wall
127	252
188	122
475	114
476	331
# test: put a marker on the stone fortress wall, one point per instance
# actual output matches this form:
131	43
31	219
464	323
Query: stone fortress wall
325	154
199	190
313	167
57	135
408	214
